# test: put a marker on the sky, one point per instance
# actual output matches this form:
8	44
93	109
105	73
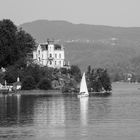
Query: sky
125	13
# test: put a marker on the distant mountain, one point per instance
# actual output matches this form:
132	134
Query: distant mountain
97	45
42	29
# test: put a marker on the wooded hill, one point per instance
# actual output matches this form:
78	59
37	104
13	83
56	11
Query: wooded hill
116	48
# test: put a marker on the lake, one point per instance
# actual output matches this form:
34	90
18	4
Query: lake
45	117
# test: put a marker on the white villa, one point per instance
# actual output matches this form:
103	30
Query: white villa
49	54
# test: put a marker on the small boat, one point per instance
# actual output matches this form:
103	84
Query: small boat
83	87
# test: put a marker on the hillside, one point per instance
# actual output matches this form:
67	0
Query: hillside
41	29
99	46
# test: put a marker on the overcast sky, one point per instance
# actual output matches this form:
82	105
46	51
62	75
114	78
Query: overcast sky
98	12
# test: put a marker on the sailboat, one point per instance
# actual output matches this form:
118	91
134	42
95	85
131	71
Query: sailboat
83	87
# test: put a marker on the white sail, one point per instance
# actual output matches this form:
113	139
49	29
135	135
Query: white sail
83	86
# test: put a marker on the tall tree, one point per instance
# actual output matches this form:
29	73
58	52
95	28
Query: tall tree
105	80
7	42
75	72
14	44
98	80
24	42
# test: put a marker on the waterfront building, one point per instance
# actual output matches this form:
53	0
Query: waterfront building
50	54
17	85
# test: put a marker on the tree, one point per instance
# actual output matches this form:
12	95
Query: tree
38	73
105	81
64	71
44	84
34	71
28	83
89	70
97	85
11	74
98	80
14	44
7	42
25	43
75	72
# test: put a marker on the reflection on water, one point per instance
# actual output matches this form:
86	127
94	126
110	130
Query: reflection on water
99	109
84	115
35	117
49	113
9	110
84	110
30	117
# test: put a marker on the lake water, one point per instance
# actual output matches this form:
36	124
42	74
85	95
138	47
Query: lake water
43	117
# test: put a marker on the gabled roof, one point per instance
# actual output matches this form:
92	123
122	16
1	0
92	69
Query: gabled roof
44	46
17	83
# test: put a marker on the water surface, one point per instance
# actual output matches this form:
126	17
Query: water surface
39	117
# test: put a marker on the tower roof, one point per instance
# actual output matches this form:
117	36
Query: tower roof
57	47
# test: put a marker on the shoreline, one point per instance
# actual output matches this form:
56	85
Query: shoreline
57	93
39	92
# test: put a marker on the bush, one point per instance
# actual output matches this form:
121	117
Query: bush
38	72
64	71
11	74
98	80
44	84
76	72
105	80
28	83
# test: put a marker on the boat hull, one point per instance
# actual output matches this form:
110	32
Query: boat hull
81	96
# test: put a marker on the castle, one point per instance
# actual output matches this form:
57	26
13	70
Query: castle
50	54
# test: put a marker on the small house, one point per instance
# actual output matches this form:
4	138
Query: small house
17	85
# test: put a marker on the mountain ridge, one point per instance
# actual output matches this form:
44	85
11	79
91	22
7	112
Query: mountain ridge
65	30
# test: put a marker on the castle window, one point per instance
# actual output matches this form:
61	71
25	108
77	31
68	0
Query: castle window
55	55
